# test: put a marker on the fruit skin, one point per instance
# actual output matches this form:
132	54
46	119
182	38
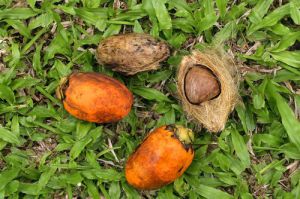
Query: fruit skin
201	85
161	158
132	53
95	97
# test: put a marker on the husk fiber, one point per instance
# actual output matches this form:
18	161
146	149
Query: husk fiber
212	114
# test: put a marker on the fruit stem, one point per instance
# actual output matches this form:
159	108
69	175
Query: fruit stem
185	135
61	88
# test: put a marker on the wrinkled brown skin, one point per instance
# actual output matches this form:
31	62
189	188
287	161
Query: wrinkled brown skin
132	53
201	85
158	161
95	97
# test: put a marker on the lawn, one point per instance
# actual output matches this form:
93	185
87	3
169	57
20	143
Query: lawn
47	153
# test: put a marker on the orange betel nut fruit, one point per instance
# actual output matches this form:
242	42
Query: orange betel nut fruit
162	157
95	97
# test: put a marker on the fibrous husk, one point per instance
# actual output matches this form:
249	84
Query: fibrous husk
212	114
132	53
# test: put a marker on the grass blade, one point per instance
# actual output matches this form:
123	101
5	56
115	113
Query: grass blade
210	192
270	19
7	176
19	26
150	94
228	31
222	4
7	94
17	13
259	11
291	58
287	41
240	147
289	121
8	136
162	14
295	13
78	147
92	189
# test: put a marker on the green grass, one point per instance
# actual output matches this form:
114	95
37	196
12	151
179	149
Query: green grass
46	153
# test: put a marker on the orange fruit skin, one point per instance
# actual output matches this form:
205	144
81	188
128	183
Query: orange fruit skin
95	97
158	161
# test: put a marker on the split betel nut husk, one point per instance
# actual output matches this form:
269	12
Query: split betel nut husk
132	53
207	87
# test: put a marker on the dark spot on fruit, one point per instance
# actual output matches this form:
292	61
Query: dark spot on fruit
139	49
171	128
180	169
151	43
187	147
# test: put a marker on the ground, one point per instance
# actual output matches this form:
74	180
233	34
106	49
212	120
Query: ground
46	153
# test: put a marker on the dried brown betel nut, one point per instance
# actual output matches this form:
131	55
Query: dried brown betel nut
132	53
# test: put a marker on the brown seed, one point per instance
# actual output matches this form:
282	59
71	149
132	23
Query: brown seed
201	85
